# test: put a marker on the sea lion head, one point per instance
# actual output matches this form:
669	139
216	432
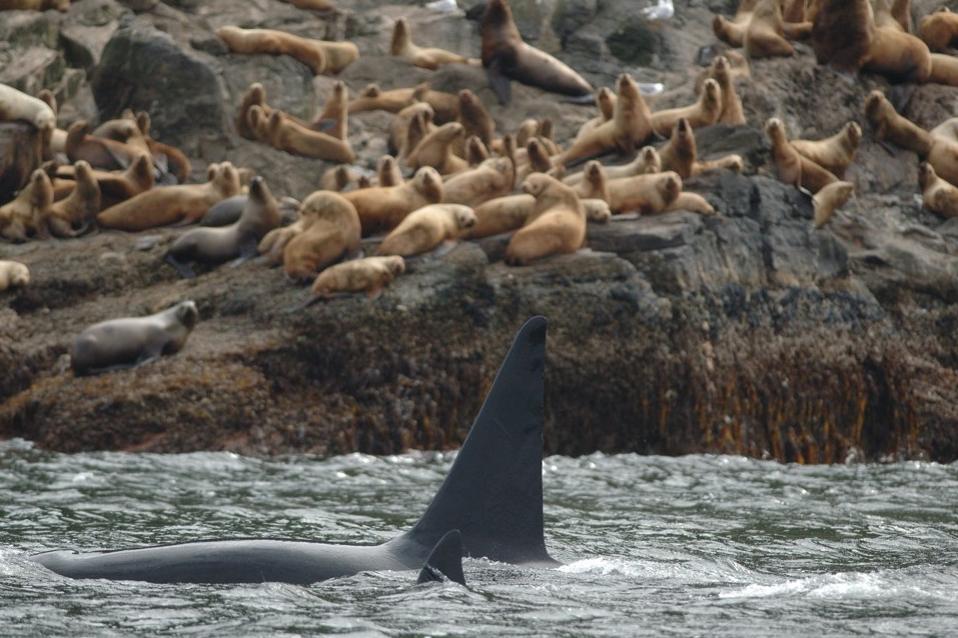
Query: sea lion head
363	181
46	96
650	156
526	130
395	264
464	216
41	195
597	210
141	171
450	131
385	163
257	93
400	37
876	106
594	172
143	123
428	183
476	151
20	275
340	92
468	100
670	186
605	102
926	175
775	130
536	184
259	190
497	29
227	179
712	96
683	130
546	128
275	121
83	172
341	177
626	87
538	157
720	70
371	90
853	133
187	314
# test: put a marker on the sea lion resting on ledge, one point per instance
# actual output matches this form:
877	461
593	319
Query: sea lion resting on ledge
505	56
506	214
329	230
369	275
27	215
557	224
383	208
13	274
428	58
425	229
793	167
124	343
320	56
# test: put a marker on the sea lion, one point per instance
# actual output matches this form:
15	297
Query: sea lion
369	275
125	130
732	111
476	151
680	154
382	208
339	178
388	173
169	158
646	161
794	168
829	199
236	241
435	150
704	112
255	95
732	32
27	214
938	196
939	29
605	103
419	127
80	208
445	105
630	126
101	153
286	135
766	32
16	105
501	215
34	5
493	178
426	228
122	343
557	224
13	274
330	231
399	127
273	42
646	194
944	69
428	58
691	202
505	56
185	203
834	153
474	117
537	160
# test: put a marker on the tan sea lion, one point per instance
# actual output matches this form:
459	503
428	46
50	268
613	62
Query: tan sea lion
369	275
80	208
185	203
445	105
505	56
680	154
26	216
705	112
474	117
382	208
210	245
557	224
399	126
537	160
16	105
794	168
13	274
419	127
732	111
255	95
765	33
425	229
101	153
339	178
329	231
630	126
829	199
732	32
493	178
605	103
476	151
938	196
646	161
435	149
646	194
273	42
312	5
944	69
388	173
428	58
286	135
501	215
691	202
939	29
172	159
834	153
123	343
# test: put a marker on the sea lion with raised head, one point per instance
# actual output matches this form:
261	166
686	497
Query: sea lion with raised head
237	241
369	275
388	173
793	167
329	231
495	177
185	203
506	57
732	111
286	135
704	112
101	153
646	161
557	224
426	57
13	274
474	117
383	208
765	35
829	199
426	228
80	208
27	215
436	150
835	153
124	343
680	154
399	126
16	105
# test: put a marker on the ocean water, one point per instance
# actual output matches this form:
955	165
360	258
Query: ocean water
691	546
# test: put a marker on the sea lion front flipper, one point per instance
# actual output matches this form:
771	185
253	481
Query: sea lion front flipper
182	269
500	84
247	252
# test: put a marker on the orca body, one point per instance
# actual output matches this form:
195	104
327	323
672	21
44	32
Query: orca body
492	497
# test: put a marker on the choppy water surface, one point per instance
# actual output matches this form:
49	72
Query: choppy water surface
698	545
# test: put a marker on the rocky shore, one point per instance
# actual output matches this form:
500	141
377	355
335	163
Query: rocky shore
748	332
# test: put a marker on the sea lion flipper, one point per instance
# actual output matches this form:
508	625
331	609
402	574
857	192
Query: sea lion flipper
182	269
499	83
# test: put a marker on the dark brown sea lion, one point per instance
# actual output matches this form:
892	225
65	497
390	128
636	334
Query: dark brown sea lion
506	57
123	343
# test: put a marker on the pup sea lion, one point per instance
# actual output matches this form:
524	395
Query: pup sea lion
16	105
80	208
425	229
939	29
383	208
13	274
829	199
557	224
691	202
27	215
834	153
369	275
505	56
122	343
794	168
236	241
185	203
436	150
705	112
938	196
428	58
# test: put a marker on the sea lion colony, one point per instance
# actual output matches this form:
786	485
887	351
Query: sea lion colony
452	176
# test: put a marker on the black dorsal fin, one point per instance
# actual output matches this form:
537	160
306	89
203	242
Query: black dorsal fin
445	560
493	493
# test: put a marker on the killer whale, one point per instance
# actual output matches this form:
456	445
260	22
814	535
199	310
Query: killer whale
492	496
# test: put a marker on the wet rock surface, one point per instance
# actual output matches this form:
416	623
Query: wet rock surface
749	332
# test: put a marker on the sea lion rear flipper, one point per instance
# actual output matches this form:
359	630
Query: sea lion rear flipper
182	269
445	560
499	83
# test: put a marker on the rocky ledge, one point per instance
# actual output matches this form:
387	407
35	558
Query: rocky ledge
748	332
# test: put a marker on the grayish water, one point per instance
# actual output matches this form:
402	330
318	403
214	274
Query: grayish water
695	546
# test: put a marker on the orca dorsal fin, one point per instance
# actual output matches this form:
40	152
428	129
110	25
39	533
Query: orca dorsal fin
444	560
493	493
